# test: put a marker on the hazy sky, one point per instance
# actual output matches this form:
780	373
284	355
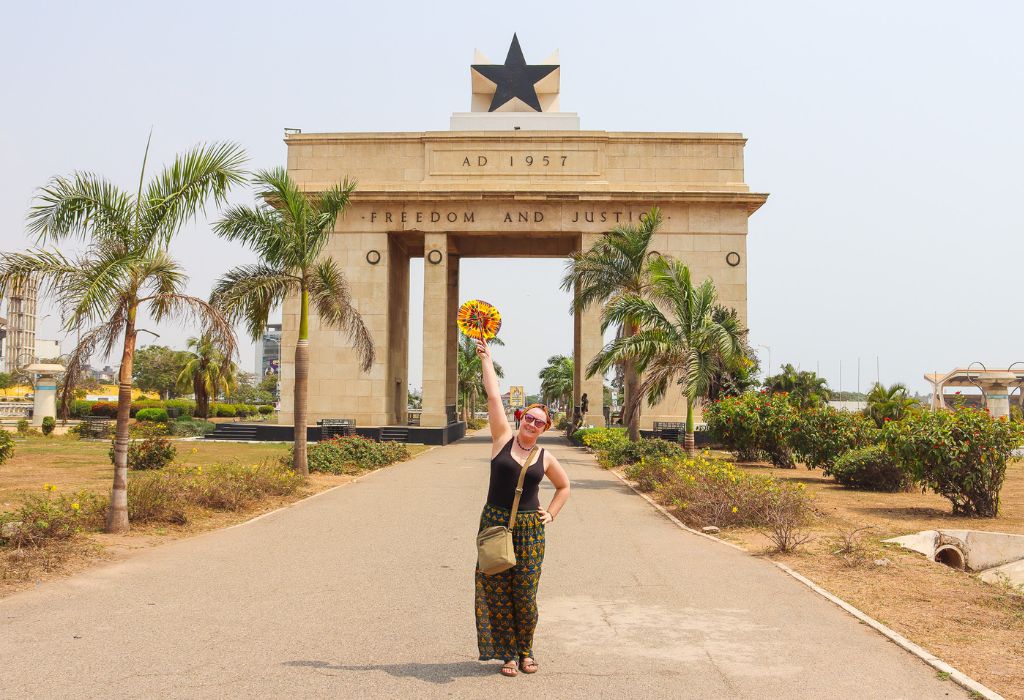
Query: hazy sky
889	136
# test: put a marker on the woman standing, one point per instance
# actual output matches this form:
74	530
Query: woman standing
506	603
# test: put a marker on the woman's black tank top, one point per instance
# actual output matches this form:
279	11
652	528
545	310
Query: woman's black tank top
505	478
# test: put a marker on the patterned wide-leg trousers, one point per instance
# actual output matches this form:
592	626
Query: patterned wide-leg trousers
506	603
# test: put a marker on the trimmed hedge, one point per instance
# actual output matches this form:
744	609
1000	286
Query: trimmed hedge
157	415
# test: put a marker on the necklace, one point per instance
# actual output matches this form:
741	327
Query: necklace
524	449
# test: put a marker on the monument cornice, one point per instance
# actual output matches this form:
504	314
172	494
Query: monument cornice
751	201
313	139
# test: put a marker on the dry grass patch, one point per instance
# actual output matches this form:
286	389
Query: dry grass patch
73	465
976	627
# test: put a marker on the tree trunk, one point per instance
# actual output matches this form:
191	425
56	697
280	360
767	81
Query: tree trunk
631	382
202	398
301	387
117	513
689	442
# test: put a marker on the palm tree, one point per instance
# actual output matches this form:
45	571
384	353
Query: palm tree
739	375
556	381
288	230
684	345
805	389
124	268
207	372
471	382
614	267
892	403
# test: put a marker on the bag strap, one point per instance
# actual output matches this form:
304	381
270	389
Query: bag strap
519	488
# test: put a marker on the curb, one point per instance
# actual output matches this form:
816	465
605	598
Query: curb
961	679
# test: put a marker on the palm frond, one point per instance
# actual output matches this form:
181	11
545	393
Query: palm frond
82	205
190	309
102	339
260	227
181	190
248	293
329	295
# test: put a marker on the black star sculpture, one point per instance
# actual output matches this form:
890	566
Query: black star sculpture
515	78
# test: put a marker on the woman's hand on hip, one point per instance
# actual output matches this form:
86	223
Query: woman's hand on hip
545	517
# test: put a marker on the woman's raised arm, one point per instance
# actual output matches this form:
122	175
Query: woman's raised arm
500	429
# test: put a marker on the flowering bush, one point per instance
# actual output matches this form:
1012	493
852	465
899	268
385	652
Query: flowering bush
602	440
106	409
352	454
151	453
708	491
871	468
960	454
168	495
41	520
614	448
752	424
821	434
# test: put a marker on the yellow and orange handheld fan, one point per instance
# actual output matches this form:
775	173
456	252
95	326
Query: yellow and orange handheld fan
479	320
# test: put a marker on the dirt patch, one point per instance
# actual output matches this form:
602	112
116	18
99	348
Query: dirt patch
976	627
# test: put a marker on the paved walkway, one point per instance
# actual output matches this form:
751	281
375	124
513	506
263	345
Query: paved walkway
366	591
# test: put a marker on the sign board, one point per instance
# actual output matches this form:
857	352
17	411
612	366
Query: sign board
516	397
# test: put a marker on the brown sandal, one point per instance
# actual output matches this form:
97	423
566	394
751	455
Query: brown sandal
509	671
528	663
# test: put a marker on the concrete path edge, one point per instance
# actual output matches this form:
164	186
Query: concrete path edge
960	678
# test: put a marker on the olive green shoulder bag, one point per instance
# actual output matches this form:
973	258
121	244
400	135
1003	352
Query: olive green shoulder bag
495	552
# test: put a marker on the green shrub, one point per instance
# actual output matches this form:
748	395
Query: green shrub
822	434
22	427
106	409
224	410
960	454
186	407
150	453
266	410
643	449
41	520
352	454
190	427
49	423
80	409
157	415
143	404
871	468
753	424
6	446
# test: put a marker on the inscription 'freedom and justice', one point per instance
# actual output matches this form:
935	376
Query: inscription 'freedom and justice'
589	216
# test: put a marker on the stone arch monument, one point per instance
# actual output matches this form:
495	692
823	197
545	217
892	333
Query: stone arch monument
512	178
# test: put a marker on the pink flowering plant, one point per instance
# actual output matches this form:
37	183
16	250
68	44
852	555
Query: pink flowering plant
960	454
754	424
822	434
